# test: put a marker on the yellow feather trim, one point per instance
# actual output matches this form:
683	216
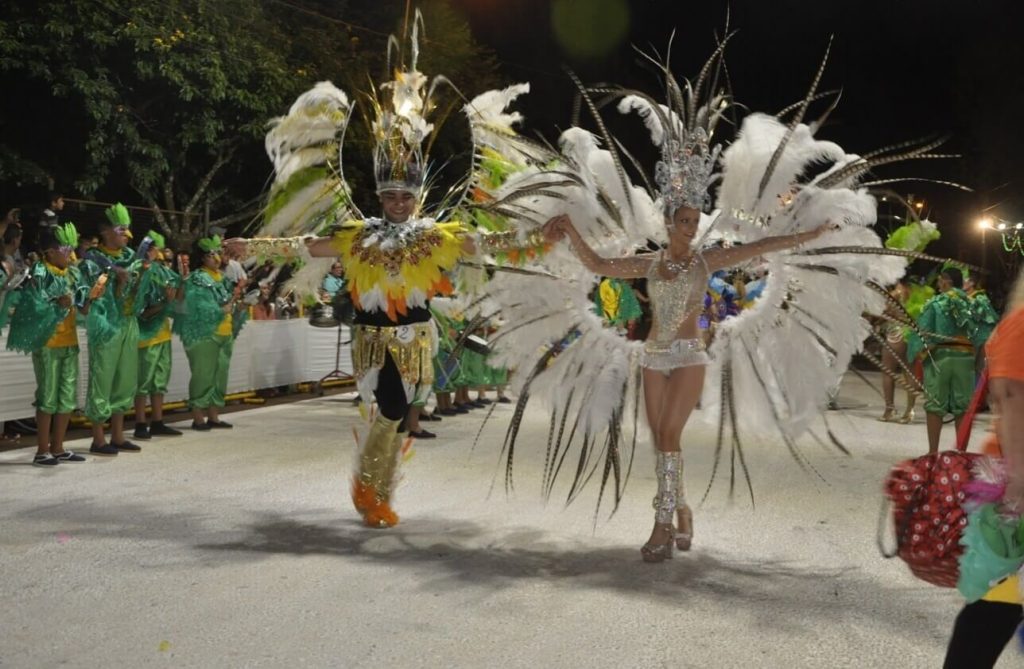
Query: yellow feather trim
418	264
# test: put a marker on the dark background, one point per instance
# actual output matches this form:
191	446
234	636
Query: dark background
907	69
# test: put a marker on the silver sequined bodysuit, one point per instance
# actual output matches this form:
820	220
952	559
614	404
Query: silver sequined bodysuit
675	301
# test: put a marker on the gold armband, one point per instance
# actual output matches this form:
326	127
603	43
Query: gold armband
279	250
509	240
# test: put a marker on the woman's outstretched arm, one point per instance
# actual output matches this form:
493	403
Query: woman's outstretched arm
718	258
561	227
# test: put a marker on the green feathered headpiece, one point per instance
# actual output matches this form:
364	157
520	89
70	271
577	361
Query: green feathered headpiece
966	273
210	244
67	235
913	236
118	216
158	239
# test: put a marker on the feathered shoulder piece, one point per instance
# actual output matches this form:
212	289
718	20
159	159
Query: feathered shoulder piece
309	190
37	314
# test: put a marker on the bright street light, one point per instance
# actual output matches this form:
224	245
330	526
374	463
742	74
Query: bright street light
985	223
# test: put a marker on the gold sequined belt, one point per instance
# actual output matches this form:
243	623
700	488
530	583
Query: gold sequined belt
410	346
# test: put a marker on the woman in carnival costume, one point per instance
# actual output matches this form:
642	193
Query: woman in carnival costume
208	320
43	324
992	565
113	332
394	264
159	290
769	367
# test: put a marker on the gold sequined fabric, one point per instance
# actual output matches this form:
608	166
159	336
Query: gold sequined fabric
410	346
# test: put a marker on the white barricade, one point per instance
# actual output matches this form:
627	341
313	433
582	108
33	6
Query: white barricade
267	354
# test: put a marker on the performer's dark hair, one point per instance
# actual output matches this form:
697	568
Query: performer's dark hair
954	275
48	239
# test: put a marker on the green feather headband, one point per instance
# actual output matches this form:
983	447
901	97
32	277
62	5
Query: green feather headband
955	265
118	216
67	235
158	239
210	244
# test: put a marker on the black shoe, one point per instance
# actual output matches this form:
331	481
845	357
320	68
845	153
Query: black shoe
45	460
504	400
201	427
483	400
219	424
127	447
69	456
103	449
432	417
422	434
462	408
159	429
447	412
478	404
142	431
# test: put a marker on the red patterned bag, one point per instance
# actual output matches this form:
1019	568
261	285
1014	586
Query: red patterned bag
927	496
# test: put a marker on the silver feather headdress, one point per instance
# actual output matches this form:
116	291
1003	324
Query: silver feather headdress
686	170
682	128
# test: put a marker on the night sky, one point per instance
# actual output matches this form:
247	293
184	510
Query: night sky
908	69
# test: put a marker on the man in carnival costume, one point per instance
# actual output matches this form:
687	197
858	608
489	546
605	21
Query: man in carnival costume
113	332
393	264
951	331
159	289
43	324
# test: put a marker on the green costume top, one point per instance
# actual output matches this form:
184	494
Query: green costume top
983	314
616	302
200	316
109	312
152	293
37	313
951	317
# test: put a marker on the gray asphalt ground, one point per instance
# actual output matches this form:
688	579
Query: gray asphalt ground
240	549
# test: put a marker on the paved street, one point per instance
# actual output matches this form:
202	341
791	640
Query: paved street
240	548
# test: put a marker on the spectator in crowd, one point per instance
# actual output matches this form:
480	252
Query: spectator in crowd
50	217
13	216
265	309
333	282
85	243
12	248
233	270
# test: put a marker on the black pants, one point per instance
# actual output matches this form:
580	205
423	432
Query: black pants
981	632
390	393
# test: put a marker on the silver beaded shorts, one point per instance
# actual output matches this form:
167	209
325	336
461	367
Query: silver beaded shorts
664	356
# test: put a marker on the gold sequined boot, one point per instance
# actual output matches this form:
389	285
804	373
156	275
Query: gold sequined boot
371	489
